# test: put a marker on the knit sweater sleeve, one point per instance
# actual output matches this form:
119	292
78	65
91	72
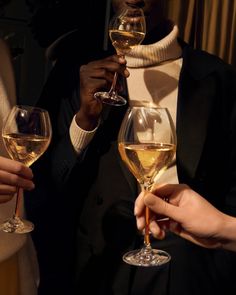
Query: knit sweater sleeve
80	138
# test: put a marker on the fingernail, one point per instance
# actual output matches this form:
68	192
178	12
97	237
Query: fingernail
126	72
138	224
122	59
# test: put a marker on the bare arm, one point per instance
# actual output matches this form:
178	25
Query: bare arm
191	217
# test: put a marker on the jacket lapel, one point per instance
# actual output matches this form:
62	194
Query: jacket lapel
196	94
112	118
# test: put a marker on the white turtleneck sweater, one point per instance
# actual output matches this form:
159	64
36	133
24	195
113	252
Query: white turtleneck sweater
156	67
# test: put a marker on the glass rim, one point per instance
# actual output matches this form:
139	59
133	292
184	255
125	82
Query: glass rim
148	107
30	107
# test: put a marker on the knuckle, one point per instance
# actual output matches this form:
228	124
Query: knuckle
14	179
19	168
82	69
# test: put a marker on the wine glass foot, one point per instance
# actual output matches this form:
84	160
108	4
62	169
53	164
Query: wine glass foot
141	257
106	98
17	225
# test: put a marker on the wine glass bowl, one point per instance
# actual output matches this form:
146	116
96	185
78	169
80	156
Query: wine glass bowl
26	135
147	145
126	30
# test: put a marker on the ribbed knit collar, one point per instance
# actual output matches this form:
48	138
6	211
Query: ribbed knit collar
165	49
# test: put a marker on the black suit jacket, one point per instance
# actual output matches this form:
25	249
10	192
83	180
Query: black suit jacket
53	209
101	191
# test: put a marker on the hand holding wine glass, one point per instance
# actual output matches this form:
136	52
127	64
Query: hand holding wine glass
12	175
147	144
26	134
126	30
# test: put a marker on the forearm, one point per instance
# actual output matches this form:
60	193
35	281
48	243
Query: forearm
228	233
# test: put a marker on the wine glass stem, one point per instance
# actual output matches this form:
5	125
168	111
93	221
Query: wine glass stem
146	188
112	91
17	206
147	231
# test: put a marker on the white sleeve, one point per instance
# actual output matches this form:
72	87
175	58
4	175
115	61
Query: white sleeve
80	138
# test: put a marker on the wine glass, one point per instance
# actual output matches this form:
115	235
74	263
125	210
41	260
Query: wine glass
26	135
126	30
147	144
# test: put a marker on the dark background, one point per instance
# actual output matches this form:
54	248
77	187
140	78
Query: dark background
31	67
30	64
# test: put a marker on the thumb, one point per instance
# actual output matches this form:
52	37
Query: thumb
160	206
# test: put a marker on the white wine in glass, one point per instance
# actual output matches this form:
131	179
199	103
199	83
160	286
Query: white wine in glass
26	135
126	30
147	145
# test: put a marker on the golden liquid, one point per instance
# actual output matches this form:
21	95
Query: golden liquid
147	160
124	41
25	148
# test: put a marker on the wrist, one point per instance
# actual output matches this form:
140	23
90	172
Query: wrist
86	122
228	233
